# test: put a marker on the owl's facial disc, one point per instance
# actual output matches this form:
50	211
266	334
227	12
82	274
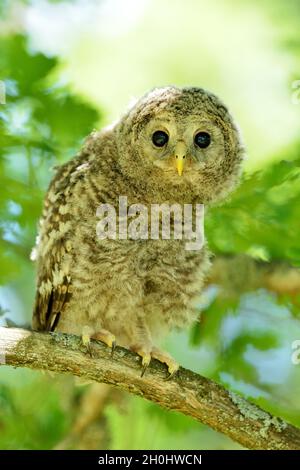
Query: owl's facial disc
181	146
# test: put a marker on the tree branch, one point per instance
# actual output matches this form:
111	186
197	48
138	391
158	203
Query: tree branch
241	273
187	393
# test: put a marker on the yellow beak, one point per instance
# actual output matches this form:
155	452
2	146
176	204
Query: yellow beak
180	151
179	165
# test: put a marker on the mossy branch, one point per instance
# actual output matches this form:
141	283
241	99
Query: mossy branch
187	392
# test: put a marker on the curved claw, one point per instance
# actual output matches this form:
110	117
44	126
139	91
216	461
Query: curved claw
86	340
107	338
90	349
172	373
143	371
113	347
146	359
165	358
88	346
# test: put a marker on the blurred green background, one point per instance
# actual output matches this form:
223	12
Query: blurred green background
71	66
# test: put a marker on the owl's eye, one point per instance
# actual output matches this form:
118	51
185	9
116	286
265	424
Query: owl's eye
202	139
160	138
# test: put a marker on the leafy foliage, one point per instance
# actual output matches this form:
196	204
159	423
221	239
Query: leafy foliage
41	125
262	213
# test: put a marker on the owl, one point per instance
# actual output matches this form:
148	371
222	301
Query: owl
173	146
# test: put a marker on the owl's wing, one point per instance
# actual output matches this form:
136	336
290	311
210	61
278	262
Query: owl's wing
52	252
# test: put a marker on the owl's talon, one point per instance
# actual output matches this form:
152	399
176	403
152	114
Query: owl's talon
90	350
146	359
171	374
165	358
86	342
113	347
143	371
145	355
107	338
172	369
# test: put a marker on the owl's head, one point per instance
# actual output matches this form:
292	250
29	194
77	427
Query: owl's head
180	145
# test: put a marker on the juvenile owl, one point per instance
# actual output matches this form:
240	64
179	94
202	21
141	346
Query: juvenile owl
174	146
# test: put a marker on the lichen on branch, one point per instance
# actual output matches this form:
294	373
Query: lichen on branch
186	392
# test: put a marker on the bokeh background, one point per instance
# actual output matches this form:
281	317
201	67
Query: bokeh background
71	66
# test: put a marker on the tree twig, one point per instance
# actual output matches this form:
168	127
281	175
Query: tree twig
241	273
187	393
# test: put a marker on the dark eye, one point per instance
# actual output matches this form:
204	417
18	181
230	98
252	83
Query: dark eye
160	138
202	139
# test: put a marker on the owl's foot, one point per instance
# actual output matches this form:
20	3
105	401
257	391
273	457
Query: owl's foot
86	339
165	358
145	354
107	338
102	335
